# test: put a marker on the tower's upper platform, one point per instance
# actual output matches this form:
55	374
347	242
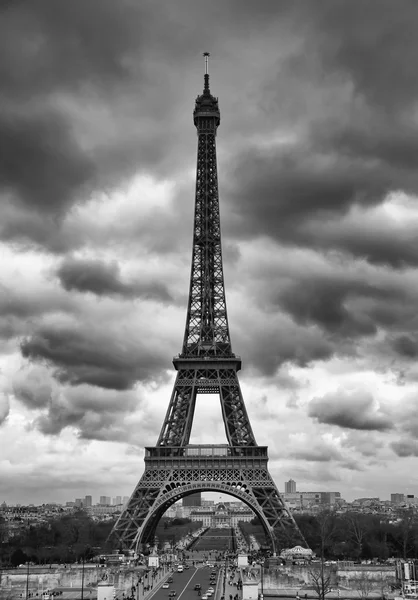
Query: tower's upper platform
206	104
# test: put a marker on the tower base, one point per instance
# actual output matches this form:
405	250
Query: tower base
174	472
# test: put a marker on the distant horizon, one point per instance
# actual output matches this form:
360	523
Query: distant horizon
205	496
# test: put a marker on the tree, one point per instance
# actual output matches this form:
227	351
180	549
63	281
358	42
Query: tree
326	530
406	528
18	557
320	577
357	526
321	580
364	584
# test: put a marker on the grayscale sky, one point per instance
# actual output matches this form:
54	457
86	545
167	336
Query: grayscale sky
317	157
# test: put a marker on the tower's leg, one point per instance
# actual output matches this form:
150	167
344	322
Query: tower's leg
172	473
237	424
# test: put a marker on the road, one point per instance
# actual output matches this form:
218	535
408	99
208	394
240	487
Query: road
183	584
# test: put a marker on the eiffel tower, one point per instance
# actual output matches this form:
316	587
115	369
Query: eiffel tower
174	468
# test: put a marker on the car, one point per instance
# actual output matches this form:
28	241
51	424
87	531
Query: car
170	580
210	589
172	593
165	585
197	586
186	567
204	597
209	594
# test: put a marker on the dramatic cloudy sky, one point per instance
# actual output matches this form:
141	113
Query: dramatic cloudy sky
317	153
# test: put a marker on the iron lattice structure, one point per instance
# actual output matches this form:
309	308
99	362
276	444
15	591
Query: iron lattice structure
174	468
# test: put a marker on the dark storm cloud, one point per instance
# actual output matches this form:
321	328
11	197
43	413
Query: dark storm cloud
406	345
90	96
41	164
124	60
354	137
404	448
297	194
94	355
97	414
282	188
104	279
371	43
46	50
350	410
326	302
18	308
333	301
57	44
266	345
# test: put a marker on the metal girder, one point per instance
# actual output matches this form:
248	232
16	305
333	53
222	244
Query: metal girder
160	487
206	364
178	422
207	330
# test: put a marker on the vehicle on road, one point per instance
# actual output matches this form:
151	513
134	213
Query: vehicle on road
180	569
210	589
170	580
197	586
172	593
204	597
165	585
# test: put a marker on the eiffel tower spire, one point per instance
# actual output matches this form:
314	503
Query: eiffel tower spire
206	364
207	331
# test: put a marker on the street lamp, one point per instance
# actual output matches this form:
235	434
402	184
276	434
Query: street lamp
82	581
27	580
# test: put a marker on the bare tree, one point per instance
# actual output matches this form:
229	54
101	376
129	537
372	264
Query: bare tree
364	584
357	528
320	577
321	580
326	529
406	529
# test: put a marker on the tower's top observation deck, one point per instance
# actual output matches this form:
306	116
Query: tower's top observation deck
206	104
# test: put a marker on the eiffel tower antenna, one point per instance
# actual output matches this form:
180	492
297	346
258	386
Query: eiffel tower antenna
174	468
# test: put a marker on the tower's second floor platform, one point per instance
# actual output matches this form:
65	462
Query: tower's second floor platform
207	456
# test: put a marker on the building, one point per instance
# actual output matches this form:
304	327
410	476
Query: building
193	499
290	486
221	516
208	502
117	500
106	500
102	510
397	498
78	502
307	500
88	501
411	500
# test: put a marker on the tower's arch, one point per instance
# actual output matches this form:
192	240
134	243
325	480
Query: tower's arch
177	492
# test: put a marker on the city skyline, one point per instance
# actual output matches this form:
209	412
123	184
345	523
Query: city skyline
316	158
